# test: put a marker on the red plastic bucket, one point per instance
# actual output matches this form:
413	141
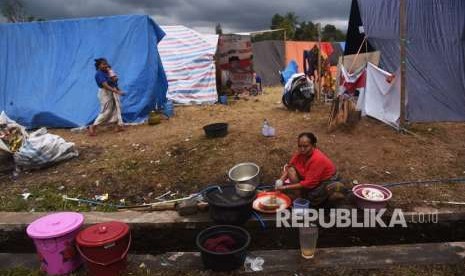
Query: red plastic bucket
54	238
104	247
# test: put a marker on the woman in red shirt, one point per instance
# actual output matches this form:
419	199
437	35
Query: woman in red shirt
309	171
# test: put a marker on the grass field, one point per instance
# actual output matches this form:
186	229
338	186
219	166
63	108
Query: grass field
146	161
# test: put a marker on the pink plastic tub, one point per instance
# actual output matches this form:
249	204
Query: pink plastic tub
365	203
54	237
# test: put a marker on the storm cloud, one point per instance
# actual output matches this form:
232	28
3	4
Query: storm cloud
202	15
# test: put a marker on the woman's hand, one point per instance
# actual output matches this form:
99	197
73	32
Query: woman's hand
290	187
281	188
117	91
278	183
112	89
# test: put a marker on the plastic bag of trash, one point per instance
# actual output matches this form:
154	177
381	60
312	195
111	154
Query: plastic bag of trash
253	263
42	148
12	134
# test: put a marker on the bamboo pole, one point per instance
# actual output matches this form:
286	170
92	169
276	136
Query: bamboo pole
318	94
285	52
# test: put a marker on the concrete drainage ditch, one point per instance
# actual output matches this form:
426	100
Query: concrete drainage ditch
157	234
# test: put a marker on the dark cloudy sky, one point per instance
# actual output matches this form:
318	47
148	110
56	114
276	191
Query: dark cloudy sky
202	15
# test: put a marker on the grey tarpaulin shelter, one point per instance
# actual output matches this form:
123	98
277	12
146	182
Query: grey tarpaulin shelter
269	60
435	52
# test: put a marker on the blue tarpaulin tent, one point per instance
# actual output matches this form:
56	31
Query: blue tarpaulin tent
47	68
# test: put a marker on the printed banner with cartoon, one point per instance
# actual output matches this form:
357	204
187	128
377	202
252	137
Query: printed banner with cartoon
235	61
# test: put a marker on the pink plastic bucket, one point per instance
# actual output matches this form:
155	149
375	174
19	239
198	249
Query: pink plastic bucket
54	237
365	203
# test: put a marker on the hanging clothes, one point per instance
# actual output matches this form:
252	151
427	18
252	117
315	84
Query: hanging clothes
381	98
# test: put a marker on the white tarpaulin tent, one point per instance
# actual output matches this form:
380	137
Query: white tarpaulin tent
381	97
188	60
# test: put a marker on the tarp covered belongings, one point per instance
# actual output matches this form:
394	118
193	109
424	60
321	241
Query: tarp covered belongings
47	69
298	93
34	150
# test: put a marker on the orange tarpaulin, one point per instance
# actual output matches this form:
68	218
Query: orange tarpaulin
295	51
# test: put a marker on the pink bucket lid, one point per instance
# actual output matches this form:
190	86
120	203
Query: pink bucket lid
55	225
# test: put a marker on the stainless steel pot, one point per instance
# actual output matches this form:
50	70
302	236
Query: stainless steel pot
245	173
245	189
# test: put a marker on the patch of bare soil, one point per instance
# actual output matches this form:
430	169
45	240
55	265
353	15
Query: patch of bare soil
145	161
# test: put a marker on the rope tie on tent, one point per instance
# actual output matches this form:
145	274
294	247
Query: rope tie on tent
366	50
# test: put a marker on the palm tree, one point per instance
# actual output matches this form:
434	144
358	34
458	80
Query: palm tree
289	23
13	10
218	29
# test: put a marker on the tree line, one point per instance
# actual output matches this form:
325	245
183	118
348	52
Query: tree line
288	27
13	11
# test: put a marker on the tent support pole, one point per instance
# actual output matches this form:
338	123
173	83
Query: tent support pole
318	94
402	32
285	52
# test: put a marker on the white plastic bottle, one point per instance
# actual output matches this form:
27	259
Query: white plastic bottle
265	128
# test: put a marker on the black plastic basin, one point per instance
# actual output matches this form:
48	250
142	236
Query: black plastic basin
216	130
227	207
224	261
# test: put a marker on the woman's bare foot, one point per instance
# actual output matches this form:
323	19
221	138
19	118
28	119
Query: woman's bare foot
119	128
92	131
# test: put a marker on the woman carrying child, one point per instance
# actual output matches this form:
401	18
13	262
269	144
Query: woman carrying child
108	94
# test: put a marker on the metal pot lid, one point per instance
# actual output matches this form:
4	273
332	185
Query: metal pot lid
227	197
252	170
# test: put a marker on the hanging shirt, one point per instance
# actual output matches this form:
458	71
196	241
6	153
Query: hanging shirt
314	170
353	81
